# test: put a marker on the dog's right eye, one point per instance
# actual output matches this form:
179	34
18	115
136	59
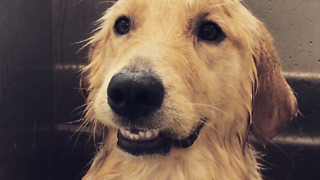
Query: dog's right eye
122	25
210	31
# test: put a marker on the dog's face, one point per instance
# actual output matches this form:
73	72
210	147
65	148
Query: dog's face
161	71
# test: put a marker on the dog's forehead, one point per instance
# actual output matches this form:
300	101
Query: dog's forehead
173	8
178	16
174	17
178	19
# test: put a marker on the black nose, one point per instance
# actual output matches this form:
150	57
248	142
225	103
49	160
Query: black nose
135	94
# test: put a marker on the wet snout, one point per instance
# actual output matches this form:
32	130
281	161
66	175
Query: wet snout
134	94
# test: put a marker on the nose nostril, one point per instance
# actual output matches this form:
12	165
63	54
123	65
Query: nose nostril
117	96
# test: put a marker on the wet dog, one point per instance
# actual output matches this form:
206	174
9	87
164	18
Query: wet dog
180	85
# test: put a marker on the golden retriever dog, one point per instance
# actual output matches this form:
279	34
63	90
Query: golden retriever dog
180	84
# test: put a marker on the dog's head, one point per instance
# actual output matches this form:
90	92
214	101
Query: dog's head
164	72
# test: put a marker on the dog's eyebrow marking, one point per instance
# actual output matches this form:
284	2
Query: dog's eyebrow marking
203	15
194	21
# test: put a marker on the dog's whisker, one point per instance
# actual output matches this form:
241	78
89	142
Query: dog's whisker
82	112
210	126
219	110
79	131
208	105
75	121
79	107
211	107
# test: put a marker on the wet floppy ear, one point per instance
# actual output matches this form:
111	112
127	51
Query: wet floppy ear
274	102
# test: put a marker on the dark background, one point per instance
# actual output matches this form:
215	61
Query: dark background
40	96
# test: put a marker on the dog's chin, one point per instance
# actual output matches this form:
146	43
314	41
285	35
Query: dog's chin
153	142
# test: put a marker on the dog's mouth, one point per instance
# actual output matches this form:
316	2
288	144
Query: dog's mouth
139	135
152	142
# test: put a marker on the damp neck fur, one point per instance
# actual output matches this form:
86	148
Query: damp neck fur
208	158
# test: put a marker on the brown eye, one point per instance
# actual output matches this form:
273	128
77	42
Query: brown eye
210	31
122	25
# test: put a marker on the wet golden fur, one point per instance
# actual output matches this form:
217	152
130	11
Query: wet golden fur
227	83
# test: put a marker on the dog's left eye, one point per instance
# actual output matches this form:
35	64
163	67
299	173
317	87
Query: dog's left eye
210	31
122	25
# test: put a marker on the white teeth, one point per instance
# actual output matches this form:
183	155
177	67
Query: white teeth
155	132
128	133
148	134
140	135
136	136
122	131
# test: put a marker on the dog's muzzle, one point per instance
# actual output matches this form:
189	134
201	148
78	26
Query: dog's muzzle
134	96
